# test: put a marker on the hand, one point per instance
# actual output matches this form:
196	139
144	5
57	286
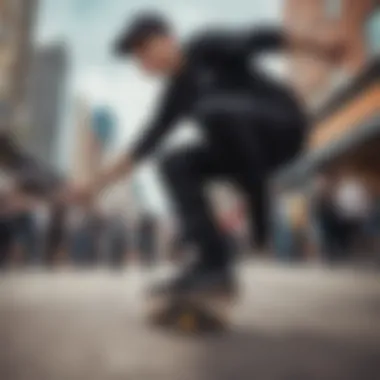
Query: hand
85	192
77	193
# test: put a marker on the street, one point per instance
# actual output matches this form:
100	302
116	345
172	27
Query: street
292	323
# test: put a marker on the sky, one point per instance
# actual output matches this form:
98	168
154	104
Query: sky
88	27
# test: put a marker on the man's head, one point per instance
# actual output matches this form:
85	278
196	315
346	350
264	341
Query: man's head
150	40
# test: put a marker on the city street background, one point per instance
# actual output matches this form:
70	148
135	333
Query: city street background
72	276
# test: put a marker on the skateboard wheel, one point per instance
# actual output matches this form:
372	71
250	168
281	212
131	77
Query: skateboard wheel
187	322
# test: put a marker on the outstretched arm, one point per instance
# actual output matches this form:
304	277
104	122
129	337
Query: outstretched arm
169	111
327	47
222	46
330	49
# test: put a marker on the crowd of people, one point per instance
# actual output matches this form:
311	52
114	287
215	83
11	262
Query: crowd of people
334	219
337	218
36	231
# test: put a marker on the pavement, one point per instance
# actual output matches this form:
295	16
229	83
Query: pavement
291	323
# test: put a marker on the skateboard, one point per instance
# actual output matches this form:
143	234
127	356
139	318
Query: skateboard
192	314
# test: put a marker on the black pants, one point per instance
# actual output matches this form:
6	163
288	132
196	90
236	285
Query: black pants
246	140
6	240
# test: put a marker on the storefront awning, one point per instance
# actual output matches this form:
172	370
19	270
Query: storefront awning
348	105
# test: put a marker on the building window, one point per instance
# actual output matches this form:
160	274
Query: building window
333	8
373	33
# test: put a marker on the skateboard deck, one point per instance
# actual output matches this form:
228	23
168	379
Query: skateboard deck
191	315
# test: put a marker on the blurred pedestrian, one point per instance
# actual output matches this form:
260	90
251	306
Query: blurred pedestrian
117	239
352	203
6	231
147	239
56	235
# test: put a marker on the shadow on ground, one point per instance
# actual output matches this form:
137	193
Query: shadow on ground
248	355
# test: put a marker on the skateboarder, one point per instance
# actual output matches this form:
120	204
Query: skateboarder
252	125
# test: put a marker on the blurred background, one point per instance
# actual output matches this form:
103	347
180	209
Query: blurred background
68	107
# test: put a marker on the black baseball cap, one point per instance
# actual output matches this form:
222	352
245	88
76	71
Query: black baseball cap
143	27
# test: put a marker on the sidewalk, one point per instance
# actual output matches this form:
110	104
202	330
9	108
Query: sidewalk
291	323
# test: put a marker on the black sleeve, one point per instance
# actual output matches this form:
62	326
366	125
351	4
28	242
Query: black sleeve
169	111
266	39
228	45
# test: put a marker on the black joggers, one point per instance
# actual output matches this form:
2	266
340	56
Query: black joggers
247	138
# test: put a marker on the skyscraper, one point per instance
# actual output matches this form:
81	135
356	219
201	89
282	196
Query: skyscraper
45	103
16	27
